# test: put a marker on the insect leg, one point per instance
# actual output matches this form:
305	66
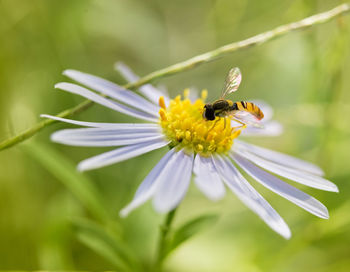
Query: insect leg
238	121
242	126
216	121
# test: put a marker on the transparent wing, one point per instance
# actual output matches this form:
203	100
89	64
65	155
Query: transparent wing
245	118
232	81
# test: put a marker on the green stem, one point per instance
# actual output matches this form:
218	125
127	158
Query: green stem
163	239
192	63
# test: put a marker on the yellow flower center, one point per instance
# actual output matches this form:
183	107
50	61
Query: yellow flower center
183	124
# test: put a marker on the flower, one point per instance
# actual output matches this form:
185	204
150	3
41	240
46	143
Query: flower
197	146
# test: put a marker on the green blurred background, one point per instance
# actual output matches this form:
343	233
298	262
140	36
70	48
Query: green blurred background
303	75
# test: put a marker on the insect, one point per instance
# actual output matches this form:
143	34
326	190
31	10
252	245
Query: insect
242	112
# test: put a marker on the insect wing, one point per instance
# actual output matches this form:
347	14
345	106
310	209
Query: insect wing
233	79
246	118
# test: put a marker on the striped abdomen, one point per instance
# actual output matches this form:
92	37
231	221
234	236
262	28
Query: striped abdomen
249	107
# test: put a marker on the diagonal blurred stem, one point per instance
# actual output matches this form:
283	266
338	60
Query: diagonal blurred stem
163	239
192	63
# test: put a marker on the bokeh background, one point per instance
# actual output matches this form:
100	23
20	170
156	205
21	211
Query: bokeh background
48	210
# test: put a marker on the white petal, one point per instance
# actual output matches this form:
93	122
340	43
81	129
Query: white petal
147	90
105	132
76	89
126	71
291	173
280	158
285	190
120	154
99	135
113	90
100	125
250	197
173	186
194	94
149	184
100	140
271	128
207	178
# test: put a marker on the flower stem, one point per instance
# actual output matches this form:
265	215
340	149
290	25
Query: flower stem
192	63
163	239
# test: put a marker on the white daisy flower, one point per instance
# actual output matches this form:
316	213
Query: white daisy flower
211	153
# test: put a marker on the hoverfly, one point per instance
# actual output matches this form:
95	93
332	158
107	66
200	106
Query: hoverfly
242	112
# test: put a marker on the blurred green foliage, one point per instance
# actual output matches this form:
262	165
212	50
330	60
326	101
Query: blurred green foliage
303	75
